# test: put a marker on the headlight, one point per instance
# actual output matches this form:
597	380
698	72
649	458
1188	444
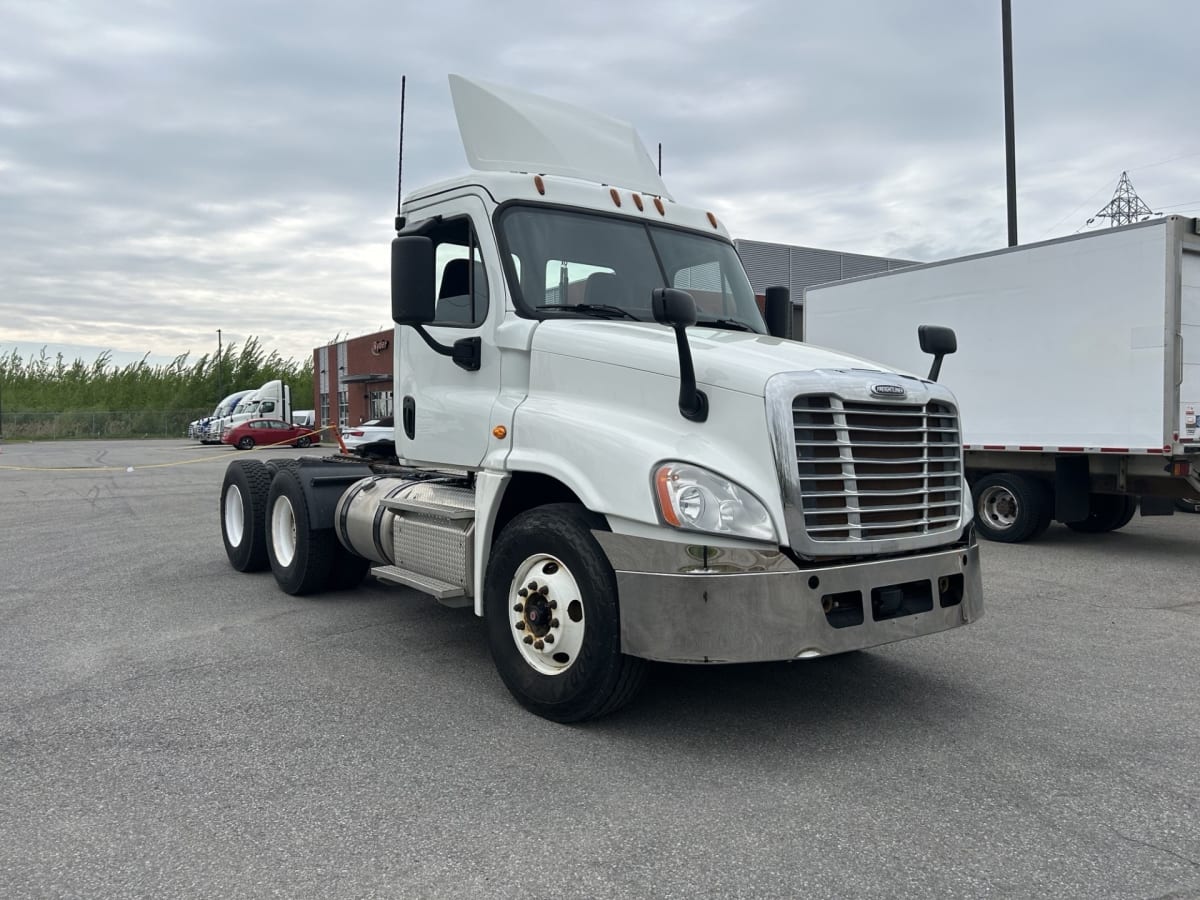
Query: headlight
696	499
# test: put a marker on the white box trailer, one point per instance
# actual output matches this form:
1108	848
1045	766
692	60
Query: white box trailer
1078	371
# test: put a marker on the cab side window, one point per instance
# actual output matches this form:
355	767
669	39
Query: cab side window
462	288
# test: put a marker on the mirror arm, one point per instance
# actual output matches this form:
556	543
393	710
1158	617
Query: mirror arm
465	352
693	403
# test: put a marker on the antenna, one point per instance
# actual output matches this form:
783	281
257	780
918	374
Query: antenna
400	163
660	159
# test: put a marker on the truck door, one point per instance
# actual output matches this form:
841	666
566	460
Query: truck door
442	410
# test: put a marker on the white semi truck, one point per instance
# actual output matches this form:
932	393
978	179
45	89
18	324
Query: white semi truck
603	452
271	401
1080	382
201	428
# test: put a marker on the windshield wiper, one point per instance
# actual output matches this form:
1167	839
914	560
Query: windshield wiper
593	309
731	324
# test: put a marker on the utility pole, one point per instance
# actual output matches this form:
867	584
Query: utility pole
1010	153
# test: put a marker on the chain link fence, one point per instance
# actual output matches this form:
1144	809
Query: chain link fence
107	423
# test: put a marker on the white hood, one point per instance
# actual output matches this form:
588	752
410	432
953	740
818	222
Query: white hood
734	360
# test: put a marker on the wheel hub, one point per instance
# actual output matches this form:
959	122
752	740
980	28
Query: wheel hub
548	641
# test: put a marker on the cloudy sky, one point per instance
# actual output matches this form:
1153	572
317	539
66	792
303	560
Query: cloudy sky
171	168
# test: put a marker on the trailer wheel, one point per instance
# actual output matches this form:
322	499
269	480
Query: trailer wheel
1108	513
243	510
301	556
1011	508
550	604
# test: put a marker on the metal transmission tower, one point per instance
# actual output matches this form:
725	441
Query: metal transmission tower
1126	207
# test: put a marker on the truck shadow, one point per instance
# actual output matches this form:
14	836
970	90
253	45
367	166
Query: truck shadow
840	695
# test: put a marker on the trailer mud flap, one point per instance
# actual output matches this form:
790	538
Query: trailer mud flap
1072	489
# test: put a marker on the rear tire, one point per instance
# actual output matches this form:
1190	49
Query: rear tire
301	557
243	510
1011	508
550	606
246	443
303	442
1108	513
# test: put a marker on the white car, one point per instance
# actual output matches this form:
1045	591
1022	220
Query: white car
369	432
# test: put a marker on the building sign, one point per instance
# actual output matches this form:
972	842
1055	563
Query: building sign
379	346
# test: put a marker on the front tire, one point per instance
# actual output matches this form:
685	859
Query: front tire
1011	508
553	625
243	510
301	556
246	443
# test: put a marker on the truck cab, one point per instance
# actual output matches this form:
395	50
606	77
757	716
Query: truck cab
603	451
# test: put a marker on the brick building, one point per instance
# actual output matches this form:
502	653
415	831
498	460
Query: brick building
352	379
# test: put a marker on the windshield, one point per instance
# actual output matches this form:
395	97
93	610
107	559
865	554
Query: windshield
574	263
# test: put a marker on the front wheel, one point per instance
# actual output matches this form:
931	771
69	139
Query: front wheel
303	442
246	443
550	603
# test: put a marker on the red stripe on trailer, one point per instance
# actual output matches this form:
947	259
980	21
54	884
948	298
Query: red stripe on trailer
1114	449
993	446
1155	450
1031	448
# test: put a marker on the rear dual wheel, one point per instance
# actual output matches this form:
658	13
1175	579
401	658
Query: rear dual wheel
1107	512
304	559
243	513
1011	508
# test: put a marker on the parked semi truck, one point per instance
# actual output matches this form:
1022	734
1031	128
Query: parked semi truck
201	428
1081	377
271	401
602	451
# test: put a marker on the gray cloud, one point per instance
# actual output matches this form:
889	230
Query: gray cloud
170	169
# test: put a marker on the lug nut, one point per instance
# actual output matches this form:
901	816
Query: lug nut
554	623
549	639
533	586
520	626
523	592
554	604
538	645
544	590
520	607
529	638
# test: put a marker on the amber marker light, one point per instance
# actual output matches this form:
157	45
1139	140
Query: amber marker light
712	219
637	201
499	432
662	480
616	198
658	204
539	184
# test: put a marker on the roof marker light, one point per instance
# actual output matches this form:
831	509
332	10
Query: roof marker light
612	192
712	219
658	204
637	201
539	184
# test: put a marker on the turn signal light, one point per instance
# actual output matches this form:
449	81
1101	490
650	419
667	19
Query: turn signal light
1180	468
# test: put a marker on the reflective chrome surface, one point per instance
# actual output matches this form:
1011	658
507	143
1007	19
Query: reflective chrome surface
861	474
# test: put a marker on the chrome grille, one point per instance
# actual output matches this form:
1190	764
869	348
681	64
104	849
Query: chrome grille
869	471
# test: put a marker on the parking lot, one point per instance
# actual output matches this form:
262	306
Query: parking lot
169	727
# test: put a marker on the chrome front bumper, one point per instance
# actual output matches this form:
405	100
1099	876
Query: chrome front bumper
682	603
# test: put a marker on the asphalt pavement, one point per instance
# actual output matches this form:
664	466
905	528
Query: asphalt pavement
172	728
